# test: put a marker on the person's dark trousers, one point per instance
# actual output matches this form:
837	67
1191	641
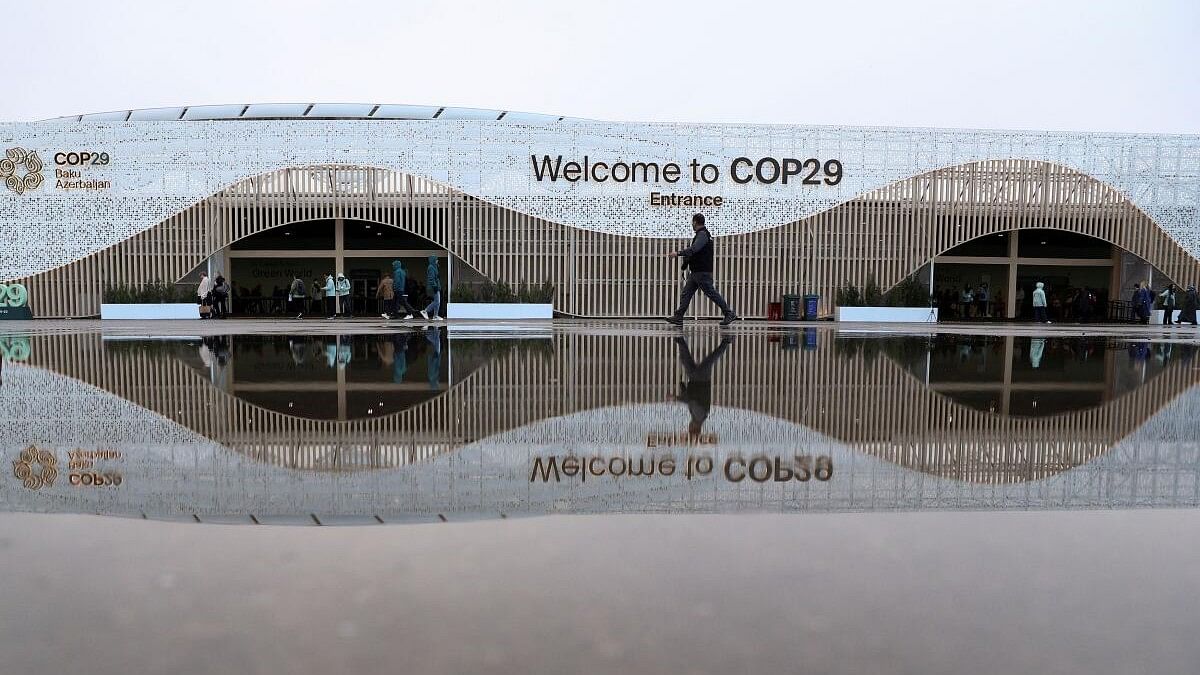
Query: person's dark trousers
221	306
330	305
402	303
1039	315
1167	312
703	282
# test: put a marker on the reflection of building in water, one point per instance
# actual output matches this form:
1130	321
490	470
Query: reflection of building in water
954	410
334	377
1031	376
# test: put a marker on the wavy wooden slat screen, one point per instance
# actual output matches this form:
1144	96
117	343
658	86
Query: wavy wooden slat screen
888	233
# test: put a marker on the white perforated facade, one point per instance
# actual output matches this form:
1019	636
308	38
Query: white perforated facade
156	169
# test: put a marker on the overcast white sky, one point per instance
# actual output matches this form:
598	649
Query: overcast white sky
1049	64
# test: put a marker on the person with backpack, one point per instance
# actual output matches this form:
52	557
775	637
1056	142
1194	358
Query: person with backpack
297	294
698	263
399	280
221	292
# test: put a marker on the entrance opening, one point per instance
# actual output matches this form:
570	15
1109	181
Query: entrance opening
260	268
994	276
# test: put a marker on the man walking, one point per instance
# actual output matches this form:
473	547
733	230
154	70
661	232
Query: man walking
433	286
400	303
698	261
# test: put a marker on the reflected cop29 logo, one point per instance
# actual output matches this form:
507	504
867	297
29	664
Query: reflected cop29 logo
36	468
21	170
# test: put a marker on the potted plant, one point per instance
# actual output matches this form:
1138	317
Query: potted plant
906	302
500	300
153	300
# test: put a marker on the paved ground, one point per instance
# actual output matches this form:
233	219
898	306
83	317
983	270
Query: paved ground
1185	333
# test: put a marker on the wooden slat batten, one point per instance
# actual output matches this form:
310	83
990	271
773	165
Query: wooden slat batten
889	233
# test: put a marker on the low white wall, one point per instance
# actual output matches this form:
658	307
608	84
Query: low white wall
1156	316
181	310
498	310
887	314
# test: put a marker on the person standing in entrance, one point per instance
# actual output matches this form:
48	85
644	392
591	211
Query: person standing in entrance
698	262
330	296
1168	303
297	294
386	294
342	288
204	295
1039	303
433	286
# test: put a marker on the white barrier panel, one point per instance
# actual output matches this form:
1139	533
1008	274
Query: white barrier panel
499	310
175	310
888	314
1156	316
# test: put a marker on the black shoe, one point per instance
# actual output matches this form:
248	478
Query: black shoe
729	318
675	320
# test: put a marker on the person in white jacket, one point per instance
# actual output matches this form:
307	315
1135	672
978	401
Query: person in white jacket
330	296
1039	304
204	293
342	287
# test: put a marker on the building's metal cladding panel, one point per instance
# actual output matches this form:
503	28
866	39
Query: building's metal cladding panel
156	169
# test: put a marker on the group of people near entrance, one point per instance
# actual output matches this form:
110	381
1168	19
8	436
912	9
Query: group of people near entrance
213	296
1142	303
391	291
333	295
1170	299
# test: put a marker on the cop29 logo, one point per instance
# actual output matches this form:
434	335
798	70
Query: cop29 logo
21	170
13	295
36	468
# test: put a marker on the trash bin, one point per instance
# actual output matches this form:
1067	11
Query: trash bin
791	307
774	311
810	307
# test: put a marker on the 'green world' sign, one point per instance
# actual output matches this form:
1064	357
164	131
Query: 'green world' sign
14	302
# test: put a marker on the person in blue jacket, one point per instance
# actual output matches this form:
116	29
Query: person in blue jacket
342	288
433	286
399	279
330	296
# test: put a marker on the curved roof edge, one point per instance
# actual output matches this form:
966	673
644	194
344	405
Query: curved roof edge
313	111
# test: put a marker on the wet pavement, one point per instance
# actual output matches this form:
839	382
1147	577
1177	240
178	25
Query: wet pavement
928	499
